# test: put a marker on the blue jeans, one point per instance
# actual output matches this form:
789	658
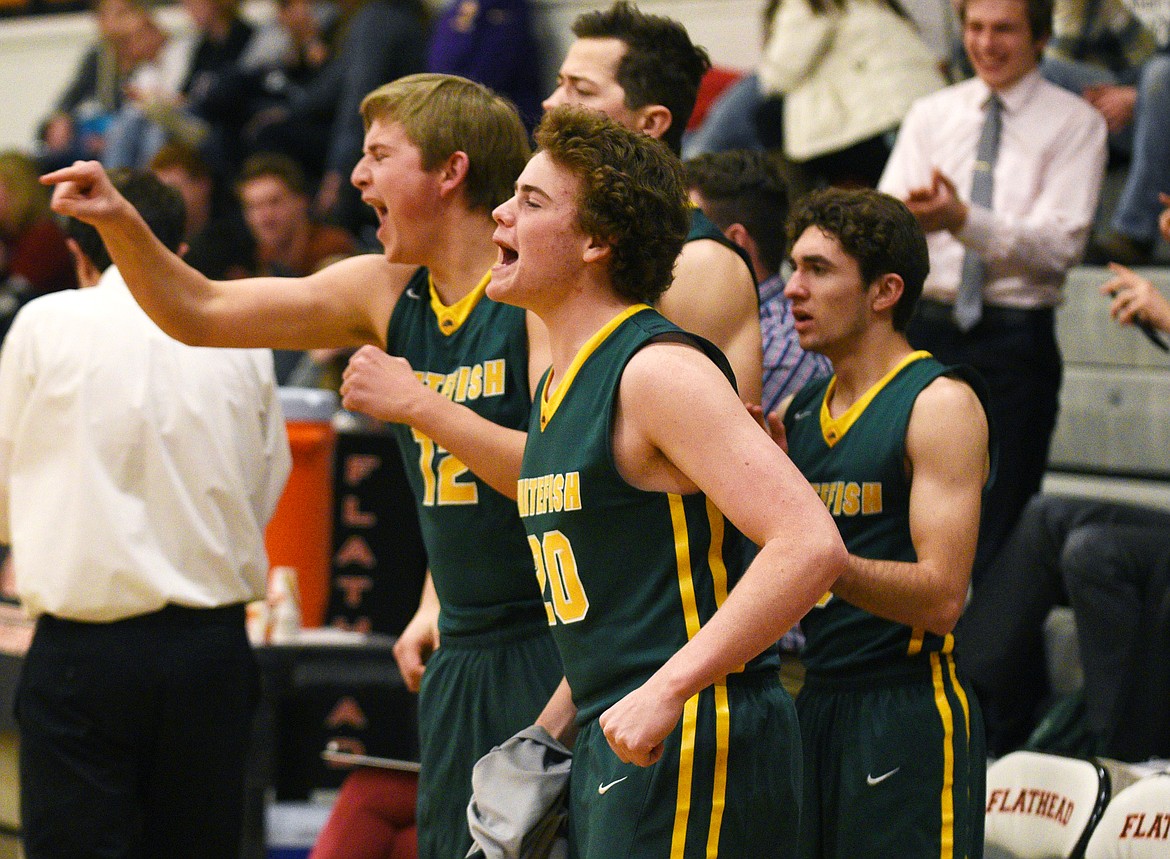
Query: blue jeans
1138	208
1147	140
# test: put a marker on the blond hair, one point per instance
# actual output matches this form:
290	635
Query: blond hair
444	114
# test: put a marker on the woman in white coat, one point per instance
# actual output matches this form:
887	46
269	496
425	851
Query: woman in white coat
848	71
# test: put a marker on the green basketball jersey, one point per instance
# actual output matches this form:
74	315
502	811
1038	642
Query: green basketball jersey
857	464
475	353
628	576
703	228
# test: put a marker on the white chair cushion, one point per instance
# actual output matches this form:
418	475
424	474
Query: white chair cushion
1039	806
1136	823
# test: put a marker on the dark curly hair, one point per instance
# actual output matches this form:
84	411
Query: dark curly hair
875	229
632	196
661	64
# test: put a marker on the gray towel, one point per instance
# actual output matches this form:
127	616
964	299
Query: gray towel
519	798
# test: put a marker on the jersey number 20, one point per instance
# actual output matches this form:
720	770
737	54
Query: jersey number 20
556	568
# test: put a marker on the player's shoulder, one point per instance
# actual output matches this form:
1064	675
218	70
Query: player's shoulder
668	363
707	269
946	398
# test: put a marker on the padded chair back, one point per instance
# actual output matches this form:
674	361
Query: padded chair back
1136	823
1042	806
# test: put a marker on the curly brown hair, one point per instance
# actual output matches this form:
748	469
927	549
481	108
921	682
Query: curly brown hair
632	196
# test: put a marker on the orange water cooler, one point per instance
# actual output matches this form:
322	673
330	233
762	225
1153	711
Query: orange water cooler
300	533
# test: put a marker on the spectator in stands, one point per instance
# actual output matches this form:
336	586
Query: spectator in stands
76	127
289	243
848	71
744	195
281	61
1111	562
644	71
1116	54
491	42
1007	213
150	110
34	259
730	122
378	41
219	245
275	202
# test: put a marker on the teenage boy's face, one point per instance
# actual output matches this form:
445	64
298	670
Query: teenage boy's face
542	247
401	192
999	43
827	294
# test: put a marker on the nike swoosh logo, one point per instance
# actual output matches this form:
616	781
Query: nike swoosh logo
411	292
799	416
872	780
602	788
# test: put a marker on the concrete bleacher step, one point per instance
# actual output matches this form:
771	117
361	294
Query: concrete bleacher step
1115	401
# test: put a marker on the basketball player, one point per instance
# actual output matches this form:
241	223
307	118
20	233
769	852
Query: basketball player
687	743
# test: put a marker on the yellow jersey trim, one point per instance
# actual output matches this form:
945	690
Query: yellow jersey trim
548	405
834	429
686	590
451	318
917	634
686	764
716	523
947	798
719	788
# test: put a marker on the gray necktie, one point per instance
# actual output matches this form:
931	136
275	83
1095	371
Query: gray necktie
969	301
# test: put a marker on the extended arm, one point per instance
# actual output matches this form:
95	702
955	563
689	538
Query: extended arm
680	427
346	304
713	295
946	444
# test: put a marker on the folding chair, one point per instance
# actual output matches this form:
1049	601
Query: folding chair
1136	823
1042	806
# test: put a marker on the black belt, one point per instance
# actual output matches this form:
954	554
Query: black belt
940	313
168	614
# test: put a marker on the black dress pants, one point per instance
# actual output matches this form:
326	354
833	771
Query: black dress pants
134	735
1111	562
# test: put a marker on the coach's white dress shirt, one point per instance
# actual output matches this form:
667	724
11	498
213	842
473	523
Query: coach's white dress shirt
134	471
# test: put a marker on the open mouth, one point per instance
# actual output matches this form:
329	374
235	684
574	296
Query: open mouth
507	254
378	207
